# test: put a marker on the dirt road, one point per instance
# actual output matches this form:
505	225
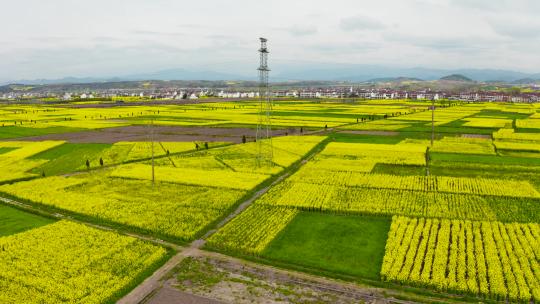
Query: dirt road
161	133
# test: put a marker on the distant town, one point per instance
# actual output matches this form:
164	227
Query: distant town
340	92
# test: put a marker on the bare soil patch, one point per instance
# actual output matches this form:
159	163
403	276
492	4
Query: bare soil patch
171	295
229	282
161	133
476	136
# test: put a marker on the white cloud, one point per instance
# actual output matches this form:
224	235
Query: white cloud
58	38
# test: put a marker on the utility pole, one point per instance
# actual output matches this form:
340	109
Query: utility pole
152	135
427	161
432	121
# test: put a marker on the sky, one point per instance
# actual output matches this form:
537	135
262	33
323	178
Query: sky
104	38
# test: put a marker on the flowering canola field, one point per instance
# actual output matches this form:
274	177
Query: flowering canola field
15	163
492	259
185	200
462	215
65	262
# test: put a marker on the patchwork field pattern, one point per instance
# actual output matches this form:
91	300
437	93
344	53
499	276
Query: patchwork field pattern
31	120
180	206
472	230
375	200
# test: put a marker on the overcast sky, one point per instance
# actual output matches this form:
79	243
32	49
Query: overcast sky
57	38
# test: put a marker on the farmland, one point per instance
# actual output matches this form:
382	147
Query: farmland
182	203
491	258
67	262
354	190
15	221
50	261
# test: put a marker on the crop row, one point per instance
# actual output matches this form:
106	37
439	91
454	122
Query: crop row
464	145
528	123
492	259
518	146
353	200
321	163
487	122
253	229
399	154
216	178
67	262
510	134
463	185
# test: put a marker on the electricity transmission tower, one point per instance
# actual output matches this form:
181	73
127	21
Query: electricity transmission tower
264	126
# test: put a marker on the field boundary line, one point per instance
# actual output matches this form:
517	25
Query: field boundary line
276	180
60	216
127	162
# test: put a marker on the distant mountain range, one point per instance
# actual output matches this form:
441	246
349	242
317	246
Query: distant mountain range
172	74
303	71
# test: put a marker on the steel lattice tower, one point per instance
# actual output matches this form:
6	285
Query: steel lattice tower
264	126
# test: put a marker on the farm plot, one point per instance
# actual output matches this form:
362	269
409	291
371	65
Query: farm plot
344	244
253	230
125	151
348	245
376	201
46	158
509	142
464	145
72	263
67	158
399	154
532	123
491	259
378	125
141	150
218	178
14	221
487	122
512	135
532	147
442	115
242	158
183	203
17	162
178	212
441	184
339	180
28	120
